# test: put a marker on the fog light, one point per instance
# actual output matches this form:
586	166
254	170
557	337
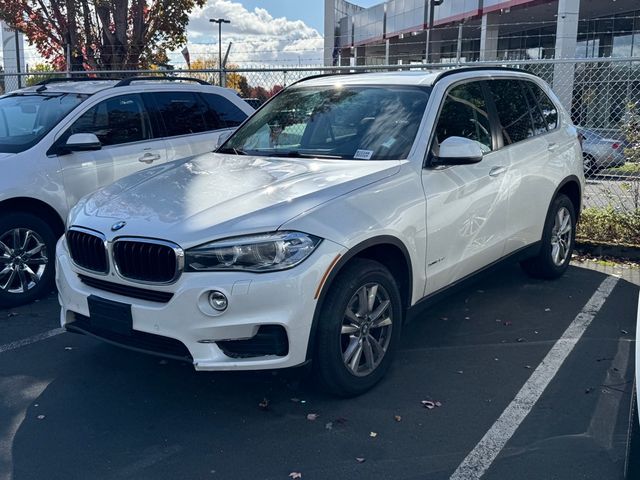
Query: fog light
218	301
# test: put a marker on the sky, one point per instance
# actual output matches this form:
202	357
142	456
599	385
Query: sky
263	32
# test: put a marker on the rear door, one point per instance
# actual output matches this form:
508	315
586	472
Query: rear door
466	204
530	143
123	126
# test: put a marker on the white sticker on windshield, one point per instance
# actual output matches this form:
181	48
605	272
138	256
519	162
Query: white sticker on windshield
363	154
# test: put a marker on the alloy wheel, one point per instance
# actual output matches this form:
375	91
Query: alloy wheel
561	237
23	260
366	329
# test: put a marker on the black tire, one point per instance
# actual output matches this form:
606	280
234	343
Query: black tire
44	233
328	364
543	265
632	460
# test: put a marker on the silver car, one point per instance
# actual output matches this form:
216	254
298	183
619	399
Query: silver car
600	153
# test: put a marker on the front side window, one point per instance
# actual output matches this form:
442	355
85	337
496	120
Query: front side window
115	121
25	119
350	122
513	110
464	114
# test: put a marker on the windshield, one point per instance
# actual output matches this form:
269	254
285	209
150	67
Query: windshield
354	122
25	119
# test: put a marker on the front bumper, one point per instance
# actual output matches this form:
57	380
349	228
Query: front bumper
284	299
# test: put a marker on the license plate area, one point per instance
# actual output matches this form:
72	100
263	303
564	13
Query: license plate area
110	316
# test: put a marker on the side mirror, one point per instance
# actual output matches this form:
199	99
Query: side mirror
82	142
223	137
458	151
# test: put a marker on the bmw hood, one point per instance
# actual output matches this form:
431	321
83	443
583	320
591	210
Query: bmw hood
214	196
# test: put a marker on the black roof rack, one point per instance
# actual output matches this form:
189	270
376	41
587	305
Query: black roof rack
455	70
127	81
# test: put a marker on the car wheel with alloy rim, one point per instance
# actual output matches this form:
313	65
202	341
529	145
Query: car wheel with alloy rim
27	245
359	327
558	239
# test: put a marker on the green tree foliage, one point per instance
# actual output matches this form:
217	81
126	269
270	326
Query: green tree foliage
102	34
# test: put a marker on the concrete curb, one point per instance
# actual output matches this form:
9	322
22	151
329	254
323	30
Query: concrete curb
627	252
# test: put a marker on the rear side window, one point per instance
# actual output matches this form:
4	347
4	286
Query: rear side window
116	121
222	113
549	110
182	113
464	114
513	110
539	123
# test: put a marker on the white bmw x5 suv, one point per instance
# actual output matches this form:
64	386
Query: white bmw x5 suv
338	206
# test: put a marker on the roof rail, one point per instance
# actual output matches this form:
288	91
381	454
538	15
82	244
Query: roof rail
455	70
66	79
127	81
323	75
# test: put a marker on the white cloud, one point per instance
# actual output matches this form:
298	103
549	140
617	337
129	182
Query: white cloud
258	38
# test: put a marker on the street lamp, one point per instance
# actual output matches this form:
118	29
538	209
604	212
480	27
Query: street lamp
219	21
432	5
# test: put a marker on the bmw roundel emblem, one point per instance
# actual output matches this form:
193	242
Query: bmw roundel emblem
118	226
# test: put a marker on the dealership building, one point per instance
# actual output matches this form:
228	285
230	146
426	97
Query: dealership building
531	32
398	31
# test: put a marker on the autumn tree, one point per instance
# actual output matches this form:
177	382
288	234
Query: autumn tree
102	34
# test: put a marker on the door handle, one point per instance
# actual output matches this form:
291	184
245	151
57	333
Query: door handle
552	147
149	158
497	171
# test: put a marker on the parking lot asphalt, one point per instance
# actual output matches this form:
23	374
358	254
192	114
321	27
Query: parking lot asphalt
72	407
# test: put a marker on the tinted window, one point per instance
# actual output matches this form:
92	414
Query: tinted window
222	113
513	110
183	113
115	121
539	124
549	110
464	114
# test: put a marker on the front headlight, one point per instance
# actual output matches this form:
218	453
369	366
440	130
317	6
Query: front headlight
265	252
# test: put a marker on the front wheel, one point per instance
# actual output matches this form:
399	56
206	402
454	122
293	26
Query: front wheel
359	329
27	246
558	239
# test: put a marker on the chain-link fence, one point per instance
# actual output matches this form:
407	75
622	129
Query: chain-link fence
602	94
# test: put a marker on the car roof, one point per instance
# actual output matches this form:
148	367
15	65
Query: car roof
423	77
90	87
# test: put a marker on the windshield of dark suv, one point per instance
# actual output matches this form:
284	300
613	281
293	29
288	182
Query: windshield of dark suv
350	122
26	118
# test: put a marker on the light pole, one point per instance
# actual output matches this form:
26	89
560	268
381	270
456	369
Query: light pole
432	5
219	21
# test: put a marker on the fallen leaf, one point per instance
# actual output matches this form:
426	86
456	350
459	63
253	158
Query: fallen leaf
328	426
373	434
624	332
528	367
459	372
295	475
360	459
41	417
68	348
438	404
547	309
264	404
520	340
588	390
428	404
397	418
12	314
467	318
312	416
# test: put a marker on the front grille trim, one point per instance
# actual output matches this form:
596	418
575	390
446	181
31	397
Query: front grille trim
128	291
177	251
104	250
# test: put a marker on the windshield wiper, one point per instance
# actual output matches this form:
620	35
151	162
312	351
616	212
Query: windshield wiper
299	154
231	150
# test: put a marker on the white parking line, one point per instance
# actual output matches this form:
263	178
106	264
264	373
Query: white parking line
28	341
486	451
